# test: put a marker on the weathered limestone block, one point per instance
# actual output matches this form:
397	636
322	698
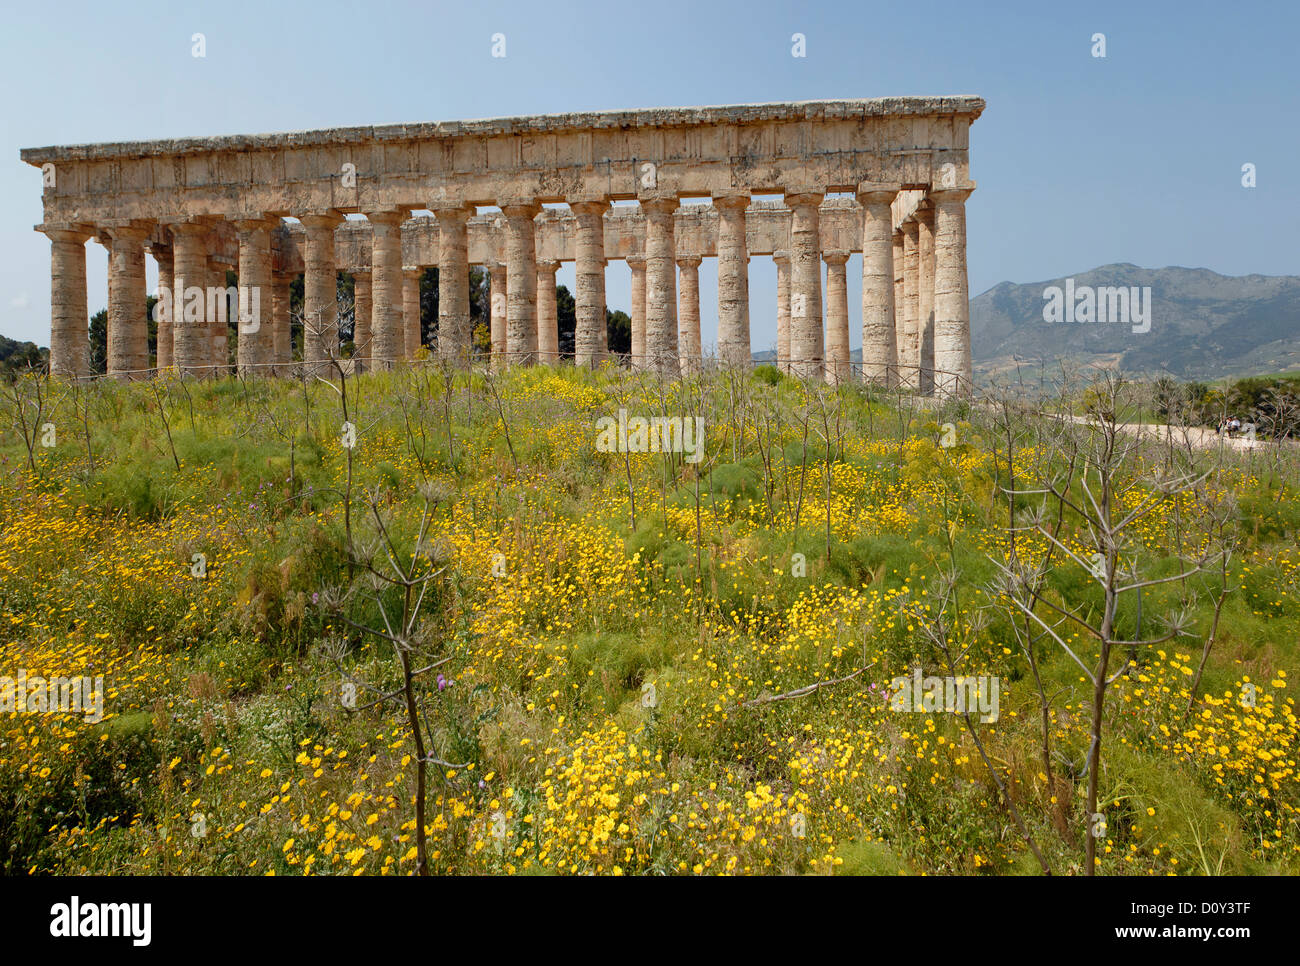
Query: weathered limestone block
900	323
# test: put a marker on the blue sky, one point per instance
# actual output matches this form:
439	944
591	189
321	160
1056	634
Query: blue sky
1080	161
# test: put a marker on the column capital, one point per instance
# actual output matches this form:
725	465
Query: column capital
135	230
924	212
635	261
803	196
412	271
386	216
64	231
658	205
519	208
589	207
951	196
451	211
688	261
187	229
732	200
548	265
910	227
321	218
360	273
245	226
781	257
877	192
835	258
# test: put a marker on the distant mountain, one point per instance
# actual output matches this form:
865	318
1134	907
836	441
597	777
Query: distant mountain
1202	325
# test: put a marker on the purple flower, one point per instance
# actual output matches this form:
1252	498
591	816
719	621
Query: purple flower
442	682
315	598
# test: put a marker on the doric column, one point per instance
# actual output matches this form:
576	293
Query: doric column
128	320
320	302
925	296
637	264
454	332
220	313
69	321
952	361
782	260
500	312
254	326
900	337
162	256
807	344
591	339
661	285
688	314
191	341
734	347
362	316
411	309
910	353
521	283
838	364
879	344
548	330
387	336
281	323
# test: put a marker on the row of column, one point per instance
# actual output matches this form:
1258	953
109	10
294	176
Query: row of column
915	327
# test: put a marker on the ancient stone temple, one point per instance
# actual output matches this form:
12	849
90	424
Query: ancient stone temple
886	177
